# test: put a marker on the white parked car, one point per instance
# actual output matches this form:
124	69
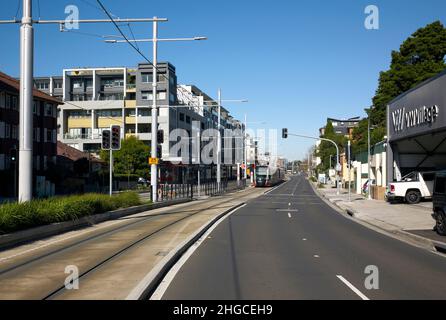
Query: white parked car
412	188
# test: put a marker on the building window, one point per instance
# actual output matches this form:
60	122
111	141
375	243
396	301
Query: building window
77	84
171	97
2	99
181	116
7	131
48	110
89	83
14	132
42	85
2	129
8	102
162	95
146	95
57	84
146	77
14	103
187	119
2	162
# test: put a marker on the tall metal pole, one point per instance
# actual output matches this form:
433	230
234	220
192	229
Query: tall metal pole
369	182
111	172
349	173
154	142
199	162
219	141
244	150
26	104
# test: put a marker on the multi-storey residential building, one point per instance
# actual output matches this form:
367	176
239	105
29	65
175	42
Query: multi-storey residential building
342	127
45	138
95	98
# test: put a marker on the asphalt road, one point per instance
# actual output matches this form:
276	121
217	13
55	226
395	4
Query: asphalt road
289	244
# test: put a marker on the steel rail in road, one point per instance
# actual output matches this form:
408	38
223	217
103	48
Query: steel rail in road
114	254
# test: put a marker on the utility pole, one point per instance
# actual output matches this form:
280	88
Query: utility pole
337	153
369	182
26	104
25	179
154	131
199	162
349	172
218	141
244	150
154	142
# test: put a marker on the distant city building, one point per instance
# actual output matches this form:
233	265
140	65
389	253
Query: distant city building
44	135
342	127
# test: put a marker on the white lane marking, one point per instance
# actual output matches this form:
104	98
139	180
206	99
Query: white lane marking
352	287
287	210
165	283
289	204
316	256
289	215
279	186
304	239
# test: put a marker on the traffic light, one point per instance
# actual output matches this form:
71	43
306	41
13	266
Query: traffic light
13	155
115	137
160	136
105	140
284	133
159	152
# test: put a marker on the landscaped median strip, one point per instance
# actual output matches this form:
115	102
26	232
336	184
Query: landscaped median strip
30	221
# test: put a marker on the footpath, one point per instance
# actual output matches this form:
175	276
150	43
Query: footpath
413	223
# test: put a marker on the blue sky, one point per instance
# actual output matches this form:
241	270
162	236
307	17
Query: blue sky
298	62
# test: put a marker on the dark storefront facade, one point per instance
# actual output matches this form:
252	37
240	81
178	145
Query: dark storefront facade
416	129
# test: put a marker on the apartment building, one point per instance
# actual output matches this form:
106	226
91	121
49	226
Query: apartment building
95	98
45	138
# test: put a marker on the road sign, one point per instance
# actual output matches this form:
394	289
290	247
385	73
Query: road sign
153	161
105	140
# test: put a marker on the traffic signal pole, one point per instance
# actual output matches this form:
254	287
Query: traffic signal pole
285	135
111	173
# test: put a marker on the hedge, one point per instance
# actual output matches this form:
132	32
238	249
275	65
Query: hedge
19	216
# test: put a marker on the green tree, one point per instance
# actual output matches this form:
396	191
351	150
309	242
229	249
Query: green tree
421	56
327	149
131	159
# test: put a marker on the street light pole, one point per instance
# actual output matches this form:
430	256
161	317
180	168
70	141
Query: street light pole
26	99
337	153
369	182
154	131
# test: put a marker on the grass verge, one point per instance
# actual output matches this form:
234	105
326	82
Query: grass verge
19	216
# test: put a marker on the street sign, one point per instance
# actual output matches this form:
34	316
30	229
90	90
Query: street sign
153	161
105	140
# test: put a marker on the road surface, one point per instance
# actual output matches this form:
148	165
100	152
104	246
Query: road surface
289	244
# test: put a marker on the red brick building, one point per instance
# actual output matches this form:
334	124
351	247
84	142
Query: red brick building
44	134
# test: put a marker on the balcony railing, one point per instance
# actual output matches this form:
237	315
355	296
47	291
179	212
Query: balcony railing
87	136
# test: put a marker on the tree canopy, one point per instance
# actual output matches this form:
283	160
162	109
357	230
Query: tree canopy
420	57
131	159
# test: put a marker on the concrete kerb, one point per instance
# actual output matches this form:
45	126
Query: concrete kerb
38	233
401	235
152	280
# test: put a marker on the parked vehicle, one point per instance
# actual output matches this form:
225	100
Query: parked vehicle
412	188
439	203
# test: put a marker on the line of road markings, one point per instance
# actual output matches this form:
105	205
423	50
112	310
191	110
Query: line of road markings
352	287
289	215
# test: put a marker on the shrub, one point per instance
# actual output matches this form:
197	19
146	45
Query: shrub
19	216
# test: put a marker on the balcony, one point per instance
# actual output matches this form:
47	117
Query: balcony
87	136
